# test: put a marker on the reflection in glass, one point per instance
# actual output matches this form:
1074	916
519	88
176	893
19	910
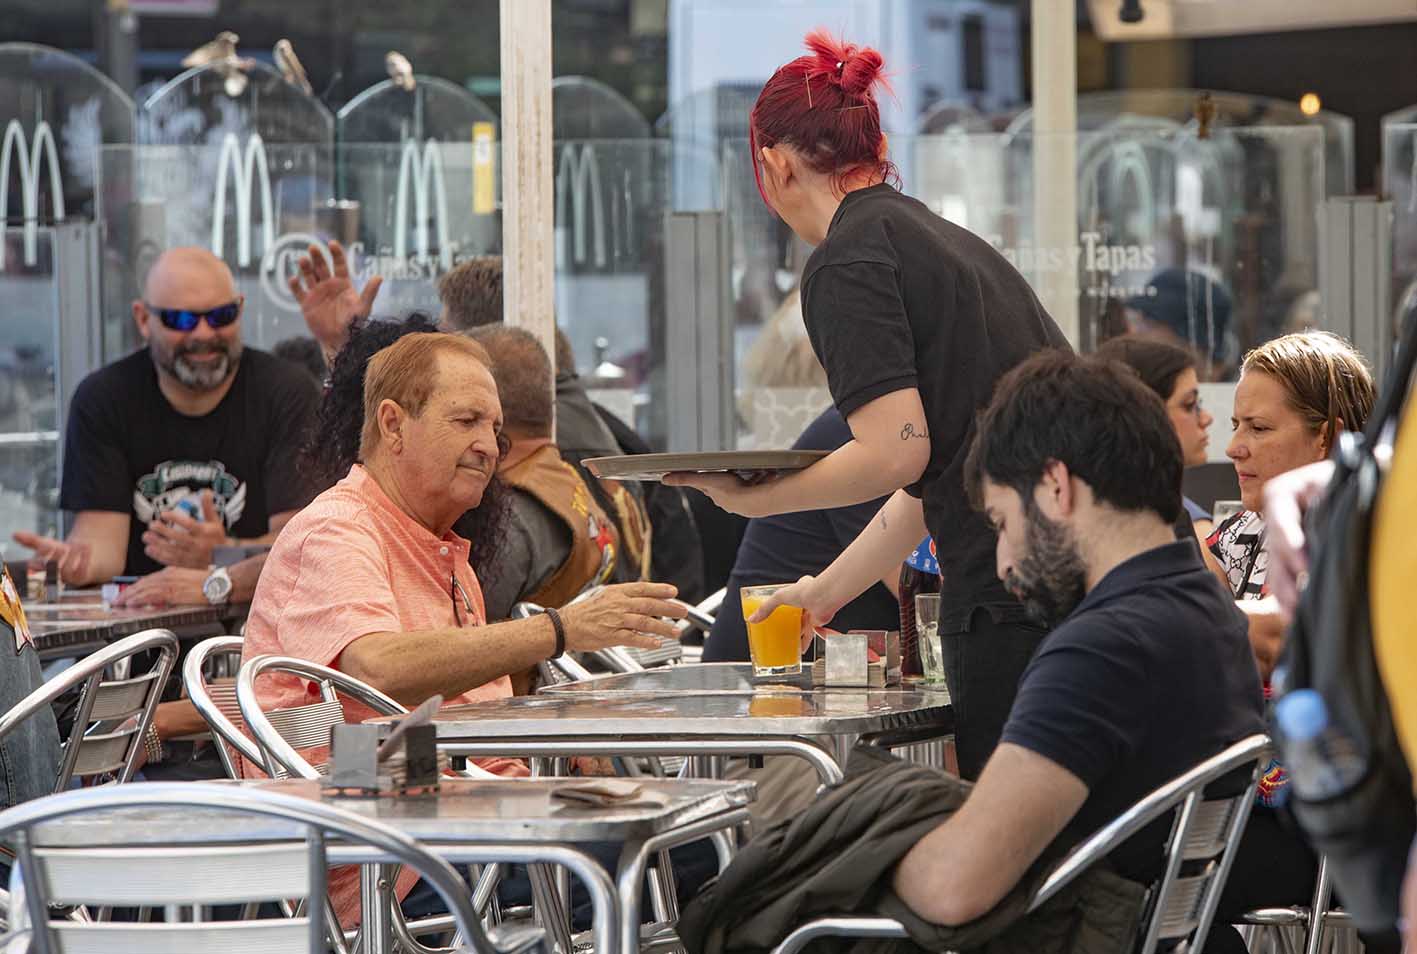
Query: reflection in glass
1211	242
54	111
1400	186
586	108
256	206
1104	109
29	411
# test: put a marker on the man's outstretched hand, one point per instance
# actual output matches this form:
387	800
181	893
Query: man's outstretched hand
72	557
328	298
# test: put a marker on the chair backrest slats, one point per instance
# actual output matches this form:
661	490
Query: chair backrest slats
216	699
283	857
223	693
281	733
100	754
226	937
670	652
149	877
109	696
1183	904
121	698
1206	837
307	726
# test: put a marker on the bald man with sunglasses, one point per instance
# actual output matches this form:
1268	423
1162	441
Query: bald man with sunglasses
186	445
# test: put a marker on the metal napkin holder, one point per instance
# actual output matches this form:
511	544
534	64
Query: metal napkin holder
845	661
355	765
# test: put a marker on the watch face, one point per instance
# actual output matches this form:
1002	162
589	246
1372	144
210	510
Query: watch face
216	588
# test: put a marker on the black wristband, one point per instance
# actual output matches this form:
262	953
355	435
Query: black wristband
560	629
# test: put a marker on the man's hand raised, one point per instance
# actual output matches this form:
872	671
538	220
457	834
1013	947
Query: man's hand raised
328	299
627	614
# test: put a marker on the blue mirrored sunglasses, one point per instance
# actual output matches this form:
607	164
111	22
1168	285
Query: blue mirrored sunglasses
181	319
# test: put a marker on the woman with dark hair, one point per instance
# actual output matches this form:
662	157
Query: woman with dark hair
332	446
1170	371
915	320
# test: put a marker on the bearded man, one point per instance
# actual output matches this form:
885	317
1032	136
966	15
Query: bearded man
1147	670
186	445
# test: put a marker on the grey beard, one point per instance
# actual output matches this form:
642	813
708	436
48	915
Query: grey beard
1051	579
204	377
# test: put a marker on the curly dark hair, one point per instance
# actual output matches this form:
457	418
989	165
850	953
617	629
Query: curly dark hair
332	445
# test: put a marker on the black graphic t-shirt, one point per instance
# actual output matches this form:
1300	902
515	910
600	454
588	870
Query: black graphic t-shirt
127	450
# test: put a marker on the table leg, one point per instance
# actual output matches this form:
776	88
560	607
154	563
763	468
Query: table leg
668	908
841	749
375	890
546	902
724	847
635	857
605	905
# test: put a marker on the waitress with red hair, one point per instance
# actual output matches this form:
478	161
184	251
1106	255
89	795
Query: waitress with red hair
914	319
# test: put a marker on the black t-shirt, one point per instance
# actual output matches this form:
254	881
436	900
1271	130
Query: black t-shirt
781	548
896	297
1149	676
127	450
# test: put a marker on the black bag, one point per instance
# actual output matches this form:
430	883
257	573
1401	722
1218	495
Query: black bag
1364	832
678	553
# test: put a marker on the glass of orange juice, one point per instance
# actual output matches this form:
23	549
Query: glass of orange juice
775	643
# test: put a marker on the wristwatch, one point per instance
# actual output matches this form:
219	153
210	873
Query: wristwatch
217	586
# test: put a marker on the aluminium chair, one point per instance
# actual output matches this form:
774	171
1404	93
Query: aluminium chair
215	700
180	875
1273	928
278	734
1205	834
113	711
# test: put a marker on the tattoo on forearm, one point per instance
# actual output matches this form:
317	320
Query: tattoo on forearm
908	432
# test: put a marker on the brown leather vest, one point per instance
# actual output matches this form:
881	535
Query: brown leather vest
594	542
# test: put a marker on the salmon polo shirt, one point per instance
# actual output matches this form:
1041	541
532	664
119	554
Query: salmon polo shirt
350	564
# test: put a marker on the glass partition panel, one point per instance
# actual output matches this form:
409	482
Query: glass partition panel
207	103
1400	186
585	108
410	211
433	109
612	197
29	412
1212	242
54	110
1106	109
254	205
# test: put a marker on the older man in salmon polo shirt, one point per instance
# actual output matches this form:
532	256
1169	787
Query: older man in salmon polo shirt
369	579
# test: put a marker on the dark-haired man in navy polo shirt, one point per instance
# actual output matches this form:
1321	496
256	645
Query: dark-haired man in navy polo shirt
1148	670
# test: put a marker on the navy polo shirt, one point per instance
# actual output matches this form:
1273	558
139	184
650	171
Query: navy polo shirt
787	546
1149	676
